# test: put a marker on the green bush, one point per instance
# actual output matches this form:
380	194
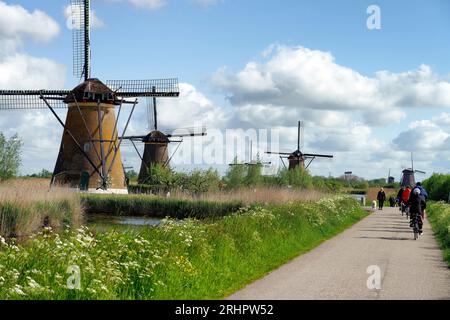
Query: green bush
438	187
439	216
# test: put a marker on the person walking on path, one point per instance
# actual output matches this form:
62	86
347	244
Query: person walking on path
381	197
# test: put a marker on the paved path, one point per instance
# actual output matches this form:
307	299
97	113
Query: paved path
337	269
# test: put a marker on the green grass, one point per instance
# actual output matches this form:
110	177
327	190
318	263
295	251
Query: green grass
439	217
207	259
148	205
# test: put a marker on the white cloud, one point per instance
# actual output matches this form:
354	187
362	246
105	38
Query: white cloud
17	25
72	13
424	135
22	71
298	78
191	108
38	129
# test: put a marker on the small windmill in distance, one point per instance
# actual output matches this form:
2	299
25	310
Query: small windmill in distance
408	175
156	143
297	158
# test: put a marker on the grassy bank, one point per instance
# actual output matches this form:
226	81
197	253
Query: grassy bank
28	205
192	260
158	207
439	216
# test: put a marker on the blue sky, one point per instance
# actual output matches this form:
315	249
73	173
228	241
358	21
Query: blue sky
192	41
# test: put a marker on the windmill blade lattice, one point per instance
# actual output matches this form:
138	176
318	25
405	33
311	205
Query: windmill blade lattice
30	99
80	10
145	88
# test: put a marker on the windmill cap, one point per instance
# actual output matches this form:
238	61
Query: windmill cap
92	90
296	154
156	137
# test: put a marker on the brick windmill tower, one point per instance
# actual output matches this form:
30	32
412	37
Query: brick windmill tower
89	157
297	158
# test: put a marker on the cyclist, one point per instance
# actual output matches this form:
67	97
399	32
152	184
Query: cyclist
417	205
405	197
423	195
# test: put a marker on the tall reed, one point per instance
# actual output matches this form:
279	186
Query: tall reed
27	205
259	195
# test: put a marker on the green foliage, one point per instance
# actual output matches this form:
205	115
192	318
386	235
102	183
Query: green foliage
10	152
44	174
189	261
438	187
147	205
253	177
199	182
299	178
235	176
439	216
163	178
131	175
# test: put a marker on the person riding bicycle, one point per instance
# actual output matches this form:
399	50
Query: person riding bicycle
423	195
405	197
417	206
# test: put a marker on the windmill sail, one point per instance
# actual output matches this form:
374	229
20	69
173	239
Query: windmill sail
31	99
80	10
145	88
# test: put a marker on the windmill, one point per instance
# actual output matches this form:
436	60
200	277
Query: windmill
298	158
156	143
89	157
408	175
156	147
390	179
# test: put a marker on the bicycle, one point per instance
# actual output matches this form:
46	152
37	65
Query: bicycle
415	226
404	209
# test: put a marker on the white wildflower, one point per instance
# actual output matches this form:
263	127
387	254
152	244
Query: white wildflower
17	289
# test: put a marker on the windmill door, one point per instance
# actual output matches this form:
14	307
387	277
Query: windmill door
84	181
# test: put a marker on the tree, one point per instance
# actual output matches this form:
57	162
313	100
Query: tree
131	175
299	177
199	182
163	178
234	178
10	156
44	174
